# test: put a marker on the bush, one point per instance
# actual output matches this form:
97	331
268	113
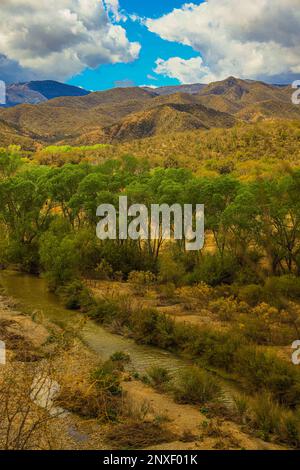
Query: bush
167	291
76	296
159	377
290	429
138	435
284	286
151	327
227	309
141	280
120	356
266	416
107	378
196	386
105	311
104	270
170	270
252	294
215	270
265	371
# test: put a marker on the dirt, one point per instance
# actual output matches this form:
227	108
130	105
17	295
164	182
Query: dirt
189	424
191	428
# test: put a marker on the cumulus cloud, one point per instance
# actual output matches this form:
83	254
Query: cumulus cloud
256	39
186	71
54	39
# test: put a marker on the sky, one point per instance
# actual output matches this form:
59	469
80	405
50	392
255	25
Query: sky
99	44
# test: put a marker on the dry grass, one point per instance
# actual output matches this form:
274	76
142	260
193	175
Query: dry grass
139	435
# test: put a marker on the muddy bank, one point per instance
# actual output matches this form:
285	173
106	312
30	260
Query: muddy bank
184	426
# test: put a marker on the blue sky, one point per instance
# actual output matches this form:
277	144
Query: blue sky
99	44
138	71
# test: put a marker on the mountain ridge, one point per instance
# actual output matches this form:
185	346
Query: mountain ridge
39	91
122	114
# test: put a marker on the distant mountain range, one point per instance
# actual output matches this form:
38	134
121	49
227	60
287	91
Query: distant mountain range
36	92
79	117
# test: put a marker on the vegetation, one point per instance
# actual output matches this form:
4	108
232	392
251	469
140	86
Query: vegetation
196	386
246	279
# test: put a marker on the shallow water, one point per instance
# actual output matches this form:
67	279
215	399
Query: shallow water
31	292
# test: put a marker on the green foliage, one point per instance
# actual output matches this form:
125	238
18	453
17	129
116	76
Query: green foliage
159	377
215	269
75	296
150	327
196	386
107	378
266	416
10	161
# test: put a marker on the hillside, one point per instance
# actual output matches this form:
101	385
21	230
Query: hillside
167	118
122	114
170	90
11	135
234	96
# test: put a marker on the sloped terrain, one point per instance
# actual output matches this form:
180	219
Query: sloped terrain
166	118
39	91
123	114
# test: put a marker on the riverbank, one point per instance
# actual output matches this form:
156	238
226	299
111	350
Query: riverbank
184	425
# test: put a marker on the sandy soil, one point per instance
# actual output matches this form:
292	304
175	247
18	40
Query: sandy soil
194	429
191	428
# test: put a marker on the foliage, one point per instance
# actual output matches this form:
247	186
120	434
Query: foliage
196	386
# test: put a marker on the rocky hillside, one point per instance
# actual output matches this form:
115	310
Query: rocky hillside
123	114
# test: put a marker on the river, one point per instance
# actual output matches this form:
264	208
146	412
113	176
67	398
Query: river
32	294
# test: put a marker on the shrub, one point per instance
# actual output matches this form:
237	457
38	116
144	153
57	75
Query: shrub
76	296
104	311
285	286
265	325
290	429
120	356
138	435
220	349
159	377
252	294
266	416
150	327
120	359
167	291
215	270
170	270
265	371
241	404
196	386
227	309
142	278
104	270
200	293
107	378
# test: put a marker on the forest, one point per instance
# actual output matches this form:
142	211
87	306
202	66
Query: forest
245	279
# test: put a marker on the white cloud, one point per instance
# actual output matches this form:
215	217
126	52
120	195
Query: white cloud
249	39
59	39
186	71
114	8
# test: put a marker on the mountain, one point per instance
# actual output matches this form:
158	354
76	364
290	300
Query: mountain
36	92
123	114
170	90
67	118
13	135
234	95
167	118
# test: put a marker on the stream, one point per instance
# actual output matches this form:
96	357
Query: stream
32	294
